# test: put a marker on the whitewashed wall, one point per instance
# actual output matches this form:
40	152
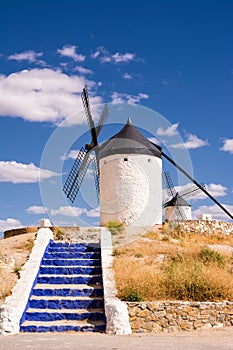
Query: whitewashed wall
170	213
131	191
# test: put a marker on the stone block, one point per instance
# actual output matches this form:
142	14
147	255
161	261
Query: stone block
152	306
218	325
169	317
144	313
185	326
148	326
206	326
157	328
173	329
143	306
197	324
137	324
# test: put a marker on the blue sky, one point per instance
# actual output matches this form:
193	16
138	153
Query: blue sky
172	57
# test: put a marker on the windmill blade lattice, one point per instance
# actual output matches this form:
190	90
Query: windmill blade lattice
88	115
190	191
168	184
84	158
95	166
180	214
77	173
102	119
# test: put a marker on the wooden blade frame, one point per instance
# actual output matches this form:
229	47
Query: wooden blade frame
81	164
77	173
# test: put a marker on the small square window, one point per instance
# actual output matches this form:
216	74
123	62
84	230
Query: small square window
149	160
125	159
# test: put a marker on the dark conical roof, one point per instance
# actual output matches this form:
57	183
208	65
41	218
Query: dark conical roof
129	140
177	202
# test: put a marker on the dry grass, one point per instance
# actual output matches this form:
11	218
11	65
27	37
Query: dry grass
184	269
14	252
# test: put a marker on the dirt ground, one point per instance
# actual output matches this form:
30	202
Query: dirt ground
14	252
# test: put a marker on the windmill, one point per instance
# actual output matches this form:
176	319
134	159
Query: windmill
175	205
128	175
88	154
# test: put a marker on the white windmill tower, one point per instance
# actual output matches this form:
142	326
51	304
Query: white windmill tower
130	179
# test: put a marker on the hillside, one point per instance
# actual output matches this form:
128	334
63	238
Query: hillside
173	264
14	252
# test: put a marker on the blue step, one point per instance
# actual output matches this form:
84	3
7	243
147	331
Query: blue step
85	292
45	270
57	316
64	328
72	255
78	249
66	304
73	245
69	280
71	262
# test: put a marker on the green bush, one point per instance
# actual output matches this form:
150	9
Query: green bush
115	227
132	295
208	256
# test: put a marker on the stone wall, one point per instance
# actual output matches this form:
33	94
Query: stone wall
20	231
207	227
176	316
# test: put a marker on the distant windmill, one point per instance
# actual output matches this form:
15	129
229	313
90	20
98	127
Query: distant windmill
128	175
175	205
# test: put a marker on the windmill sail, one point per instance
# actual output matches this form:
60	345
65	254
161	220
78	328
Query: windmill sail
77	173
84	158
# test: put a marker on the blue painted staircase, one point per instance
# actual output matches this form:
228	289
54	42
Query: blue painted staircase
68	292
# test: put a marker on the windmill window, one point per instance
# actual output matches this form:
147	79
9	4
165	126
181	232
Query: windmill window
149	160
125	159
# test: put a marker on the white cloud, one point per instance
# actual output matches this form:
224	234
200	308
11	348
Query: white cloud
72	154
165	82
127	76
192	142
216	212
227	146
70	51
11	171
43	95
93	213
154	140
35	209
126	98
169	131
216	190
30	56
83	70
68	211
104	56
9	224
